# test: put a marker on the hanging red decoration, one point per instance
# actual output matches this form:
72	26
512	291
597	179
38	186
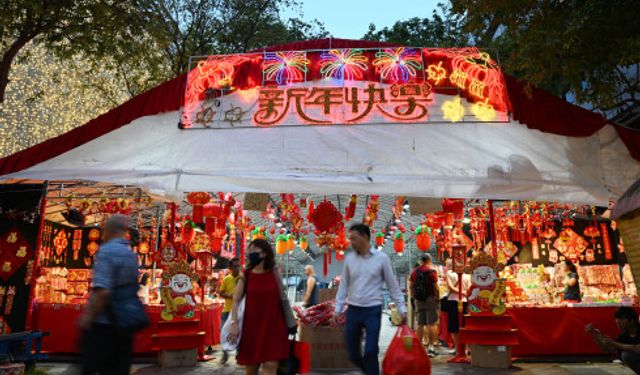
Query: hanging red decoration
379	239
371	213
350	211
188	232
198	200
423	239
398	243
326	218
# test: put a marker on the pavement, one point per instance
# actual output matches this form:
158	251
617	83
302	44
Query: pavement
439	366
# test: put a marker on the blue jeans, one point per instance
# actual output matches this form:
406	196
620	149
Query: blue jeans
369	319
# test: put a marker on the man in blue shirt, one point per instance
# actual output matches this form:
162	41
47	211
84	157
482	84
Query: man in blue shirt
105	350
366	271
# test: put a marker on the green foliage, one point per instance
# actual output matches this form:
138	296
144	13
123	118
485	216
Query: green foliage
589	49
444	29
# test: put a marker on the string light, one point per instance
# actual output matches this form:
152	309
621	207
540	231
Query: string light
399	64
285	67
346	64
47	97
453	110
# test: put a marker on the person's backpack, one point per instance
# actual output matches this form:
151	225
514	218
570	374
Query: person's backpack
422	285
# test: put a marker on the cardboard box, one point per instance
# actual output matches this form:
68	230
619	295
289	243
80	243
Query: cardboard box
327	294
178	358
490	356
328	347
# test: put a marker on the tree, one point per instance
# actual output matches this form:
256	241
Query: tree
444	29
57	77
93	27
206	27
587	49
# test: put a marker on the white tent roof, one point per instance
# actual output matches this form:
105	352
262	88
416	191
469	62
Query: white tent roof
464	160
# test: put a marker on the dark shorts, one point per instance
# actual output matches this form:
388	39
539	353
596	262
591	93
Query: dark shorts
427	312
453	316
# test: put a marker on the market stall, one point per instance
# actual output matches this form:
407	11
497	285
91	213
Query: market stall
70	238
335	117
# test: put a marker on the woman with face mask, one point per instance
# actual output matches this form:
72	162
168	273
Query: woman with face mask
264	340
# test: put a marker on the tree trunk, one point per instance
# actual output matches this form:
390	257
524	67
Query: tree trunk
7	60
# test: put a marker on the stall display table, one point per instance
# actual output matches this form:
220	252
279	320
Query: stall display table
60	320
557	331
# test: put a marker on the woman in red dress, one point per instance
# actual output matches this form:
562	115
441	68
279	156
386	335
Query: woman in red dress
264	339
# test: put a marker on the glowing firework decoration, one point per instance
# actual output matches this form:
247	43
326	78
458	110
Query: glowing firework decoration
398	64
285	67
344	64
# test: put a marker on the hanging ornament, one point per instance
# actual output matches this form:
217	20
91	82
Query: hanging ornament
350	211
535	248
607	242
281	244
198	200
398	243
423	239
379	239
11	293
304	245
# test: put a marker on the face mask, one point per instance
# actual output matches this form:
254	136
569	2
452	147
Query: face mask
254	259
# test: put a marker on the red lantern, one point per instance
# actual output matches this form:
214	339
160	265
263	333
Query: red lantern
379	239
197	200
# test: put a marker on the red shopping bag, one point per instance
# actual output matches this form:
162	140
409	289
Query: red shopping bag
302	351
406	355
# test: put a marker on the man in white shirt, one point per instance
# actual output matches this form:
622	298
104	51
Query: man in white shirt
365	272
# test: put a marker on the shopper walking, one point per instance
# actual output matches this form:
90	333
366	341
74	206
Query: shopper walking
312	293
264	340
424	287
365	272
227	290
106	350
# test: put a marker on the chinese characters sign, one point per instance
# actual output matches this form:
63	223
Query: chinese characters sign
346	87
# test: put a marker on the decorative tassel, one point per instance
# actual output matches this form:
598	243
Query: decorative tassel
325	266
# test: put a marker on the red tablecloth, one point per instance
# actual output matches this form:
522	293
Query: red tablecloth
560	331
555	331
60	320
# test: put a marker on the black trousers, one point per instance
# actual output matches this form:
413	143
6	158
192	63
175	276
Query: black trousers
105	351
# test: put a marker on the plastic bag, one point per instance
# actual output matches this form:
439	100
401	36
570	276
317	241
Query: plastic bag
228	345
406	355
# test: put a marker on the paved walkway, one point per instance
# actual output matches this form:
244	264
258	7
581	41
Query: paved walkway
439	366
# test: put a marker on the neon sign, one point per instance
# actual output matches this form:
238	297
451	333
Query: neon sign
407	102
344	86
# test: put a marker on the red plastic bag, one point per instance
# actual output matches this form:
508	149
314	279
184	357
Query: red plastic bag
303	353
406	355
